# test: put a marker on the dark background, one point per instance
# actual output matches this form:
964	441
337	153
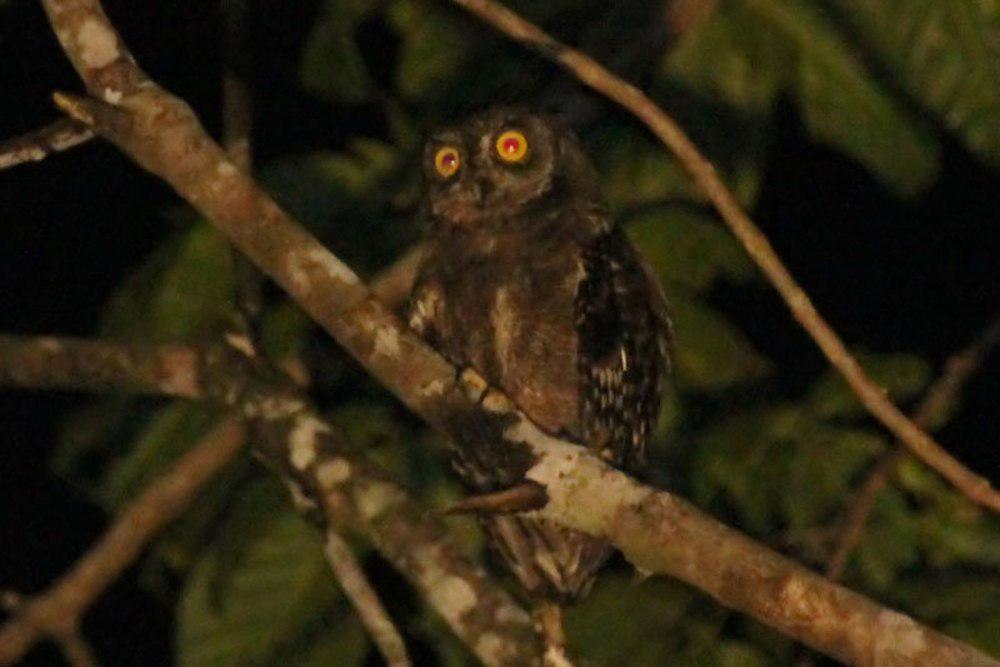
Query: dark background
917	276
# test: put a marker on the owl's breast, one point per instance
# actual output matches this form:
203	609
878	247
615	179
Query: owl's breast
510	316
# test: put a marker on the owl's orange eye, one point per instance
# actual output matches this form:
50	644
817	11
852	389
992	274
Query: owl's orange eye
447	161
512	146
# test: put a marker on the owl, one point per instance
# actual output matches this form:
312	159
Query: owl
528	281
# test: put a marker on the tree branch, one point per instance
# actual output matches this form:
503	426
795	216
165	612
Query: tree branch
701	171
56	613
38	145
237	129
325	477
940	396
657	531
374	616
70	363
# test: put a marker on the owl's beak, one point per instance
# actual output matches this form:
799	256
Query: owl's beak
481	189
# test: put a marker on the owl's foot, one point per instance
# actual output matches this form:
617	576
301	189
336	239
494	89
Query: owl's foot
521	498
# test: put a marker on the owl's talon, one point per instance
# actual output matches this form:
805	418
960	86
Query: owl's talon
521	498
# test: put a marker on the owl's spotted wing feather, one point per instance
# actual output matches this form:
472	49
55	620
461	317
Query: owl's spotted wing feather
623	337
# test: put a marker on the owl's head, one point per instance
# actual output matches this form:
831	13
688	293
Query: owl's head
484	172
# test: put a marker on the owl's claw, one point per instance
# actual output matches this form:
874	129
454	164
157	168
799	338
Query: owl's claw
521	498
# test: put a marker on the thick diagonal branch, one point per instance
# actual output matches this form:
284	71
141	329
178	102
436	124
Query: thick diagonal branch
659	532
701	171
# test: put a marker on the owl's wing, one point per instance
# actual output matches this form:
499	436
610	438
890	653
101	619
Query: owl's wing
623	332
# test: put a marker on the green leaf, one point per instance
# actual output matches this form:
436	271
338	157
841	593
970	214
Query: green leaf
283	330
960	535
962	604
360	168
280	584
689	249
196	289
341	639
903	377
891	541
169	433
332	65
625	617
735	454
179	290
821	472
433	50
88	437
751	50
177	550
946	54
635	170
741	654
810	466
710	353
737	56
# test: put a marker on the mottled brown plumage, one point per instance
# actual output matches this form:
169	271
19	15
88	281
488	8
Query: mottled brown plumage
528	281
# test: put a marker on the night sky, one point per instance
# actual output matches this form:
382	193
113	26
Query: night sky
918	276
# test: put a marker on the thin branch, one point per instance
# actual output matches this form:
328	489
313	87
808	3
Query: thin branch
49	362
655	530
323	473
56	612
939	398
38	145
237	130
75	649
701	171
374	616
861	508
236	105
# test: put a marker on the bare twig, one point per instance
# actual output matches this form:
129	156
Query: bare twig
374	616
701	171
237	127
49	362
237	118
56	612
940	396
76	650
655	530
73	646
36	146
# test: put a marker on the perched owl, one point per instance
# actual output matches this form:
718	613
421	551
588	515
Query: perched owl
528	281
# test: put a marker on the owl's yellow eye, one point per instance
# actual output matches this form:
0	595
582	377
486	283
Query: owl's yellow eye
447	161
512	146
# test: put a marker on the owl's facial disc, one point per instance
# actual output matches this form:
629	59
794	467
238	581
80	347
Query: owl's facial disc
485	173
